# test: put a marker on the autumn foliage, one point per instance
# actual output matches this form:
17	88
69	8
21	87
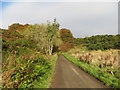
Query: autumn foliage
67	38
17	27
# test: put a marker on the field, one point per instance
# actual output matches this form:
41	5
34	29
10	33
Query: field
102	58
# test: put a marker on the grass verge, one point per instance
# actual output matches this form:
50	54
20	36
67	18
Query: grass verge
95	71
45	81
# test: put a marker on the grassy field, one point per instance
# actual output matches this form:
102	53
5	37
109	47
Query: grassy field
100	73
104	58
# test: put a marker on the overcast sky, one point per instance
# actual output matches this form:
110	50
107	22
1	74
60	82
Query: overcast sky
82	18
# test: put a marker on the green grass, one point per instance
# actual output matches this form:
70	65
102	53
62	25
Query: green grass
95	71
45	81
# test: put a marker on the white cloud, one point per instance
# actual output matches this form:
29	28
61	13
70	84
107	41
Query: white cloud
83	17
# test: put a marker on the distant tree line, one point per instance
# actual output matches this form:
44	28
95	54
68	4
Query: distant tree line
44	36
49	38
102	42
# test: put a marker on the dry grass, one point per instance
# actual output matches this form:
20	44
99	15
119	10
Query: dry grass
102	58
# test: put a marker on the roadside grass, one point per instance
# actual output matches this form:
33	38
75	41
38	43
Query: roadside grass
45	81
95	71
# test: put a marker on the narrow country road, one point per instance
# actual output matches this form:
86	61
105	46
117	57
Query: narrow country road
68	75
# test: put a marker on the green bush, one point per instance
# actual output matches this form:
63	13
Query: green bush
23	64
44	82
102	42
33	73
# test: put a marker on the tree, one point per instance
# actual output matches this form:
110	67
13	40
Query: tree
46	36
53	36
14	26
102	42
67	38
17	27
66	35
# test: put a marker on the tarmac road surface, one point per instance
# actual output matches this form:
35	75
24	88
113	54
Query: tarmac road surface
68	75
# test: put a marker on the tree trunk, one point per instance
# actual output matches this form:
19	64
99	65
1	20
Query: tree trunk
51	48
